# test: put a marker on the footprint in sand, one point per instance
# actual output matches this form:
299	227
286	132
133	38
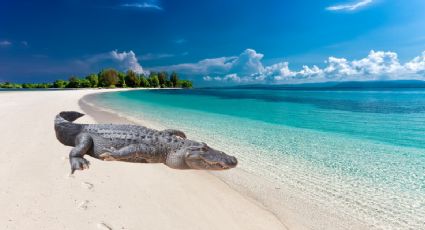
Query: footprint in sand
84	205
87	185
103	226
69	176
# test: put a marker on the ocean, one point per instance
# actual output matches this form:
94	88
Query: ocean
359	153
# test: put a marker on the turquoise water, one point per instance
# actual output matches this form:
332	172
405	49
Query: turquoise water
359	152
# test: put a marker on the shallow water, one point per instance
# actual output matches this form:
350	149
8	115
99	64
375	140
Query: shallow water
359	152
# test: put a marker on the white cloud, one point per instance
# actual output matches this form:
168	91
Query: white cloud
232	78
350	6
248	68
152	4
416	65
204	67
207	78
378	63
280	71
151	56
248	62
128	60
5	43
120	60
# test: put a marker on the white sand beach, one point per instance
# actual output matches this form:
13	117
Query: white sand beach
37	192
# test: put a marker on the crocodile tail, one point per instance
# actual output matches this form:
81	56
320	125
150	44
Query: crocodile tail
66	131
68	116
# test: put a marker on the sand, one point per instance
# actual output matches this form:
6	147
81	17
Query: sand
37	192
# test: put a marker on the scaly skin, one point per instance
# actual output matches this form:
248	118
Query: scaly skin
137	144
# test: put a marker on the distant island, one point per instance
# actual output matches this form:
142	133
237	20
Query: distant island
110	78
346	85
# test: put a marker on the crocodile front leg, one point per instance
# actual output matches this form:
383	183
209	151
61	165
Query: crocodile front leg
136	153
83	143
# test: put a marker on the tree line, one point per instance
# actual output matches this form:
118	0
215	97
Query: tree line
111	78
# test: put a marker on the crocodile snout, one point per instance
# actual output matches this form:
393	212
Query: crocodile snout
232	161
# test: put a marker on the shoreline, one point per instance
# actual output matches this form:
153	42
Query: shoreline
293	211
37	191
104	115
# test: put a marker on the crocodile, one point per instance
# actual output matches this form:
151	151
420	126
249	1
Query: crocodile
136	144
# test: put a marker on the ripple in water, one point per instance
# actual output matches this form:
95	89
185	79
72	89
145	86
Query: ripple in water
368	166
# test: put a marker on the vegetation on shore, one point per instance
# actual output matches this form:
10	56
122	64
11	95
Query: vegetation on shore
111	78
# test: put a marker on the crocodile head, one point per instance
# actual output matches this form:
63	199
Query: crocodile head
204	157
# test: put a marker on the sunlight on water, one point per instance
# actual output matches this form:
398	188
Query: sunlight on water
361	153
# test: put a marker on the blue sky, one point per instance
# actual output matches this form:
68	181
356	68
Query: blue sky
215	42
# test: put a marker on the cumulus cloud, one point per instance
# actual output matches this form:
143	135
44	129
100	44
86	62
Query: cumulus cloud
349	6
204	67
247	63
120	60
128	60
248	68
416	65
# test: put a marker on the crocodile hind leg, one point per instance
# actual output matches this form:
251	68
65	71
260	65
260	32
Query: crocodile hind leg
136	153
83	143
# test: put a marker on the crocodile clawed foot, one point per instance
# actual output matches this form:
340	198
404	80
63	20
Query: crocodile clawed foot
78	163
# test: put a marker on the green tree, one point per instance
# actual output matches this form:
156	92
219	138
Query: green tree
185	83
9	85
144	82
131	79
174	78
84	83
59	84
25	86
94	80
168	84
153	80
121	82
108	78
29	86
73	82
163	78
43	85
